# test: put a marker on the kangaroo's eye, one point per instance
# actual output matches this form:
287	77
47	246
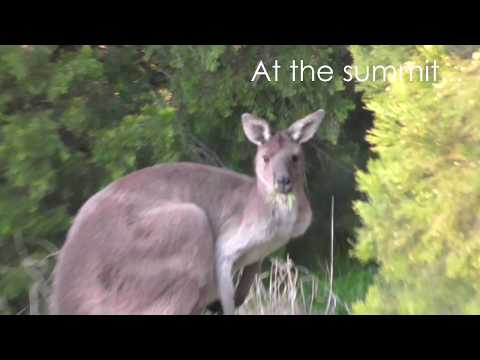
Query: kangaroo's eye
294	158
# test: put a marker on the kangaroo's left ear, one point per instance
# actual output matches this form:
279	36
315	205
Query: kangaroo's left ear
303	130
257	130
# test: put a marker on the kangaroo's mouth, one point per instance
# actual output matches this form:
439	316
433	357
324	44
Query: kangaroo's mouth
284	190
283	199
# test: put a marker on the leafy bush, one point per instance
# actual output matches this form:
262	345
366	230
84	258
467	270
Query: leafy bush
421	220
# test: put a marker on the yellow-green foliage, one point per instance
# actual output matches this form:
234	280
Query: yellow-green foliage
421	221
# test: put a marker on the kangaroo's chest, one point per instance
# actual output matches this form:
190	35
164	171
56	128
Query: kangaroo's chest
281	224
269	234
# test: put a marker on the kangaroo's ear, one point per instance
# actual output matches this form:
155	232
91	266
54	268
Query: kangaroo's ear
303	130
257	130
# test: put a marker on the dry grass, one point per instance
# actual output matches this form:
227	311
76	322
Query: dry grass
39	293
281	291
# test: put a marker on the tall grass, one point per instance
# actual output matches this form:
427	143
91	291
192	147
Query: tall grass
287	289
281	291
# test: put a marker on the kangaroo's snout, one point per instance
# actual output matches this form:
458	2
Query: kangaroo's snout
283	184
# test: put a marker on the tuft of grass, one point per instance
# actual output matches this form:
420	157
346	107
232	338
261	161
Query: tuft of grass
280	291
287	289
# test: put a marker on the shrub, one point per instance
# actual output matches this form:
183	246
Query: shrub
421	220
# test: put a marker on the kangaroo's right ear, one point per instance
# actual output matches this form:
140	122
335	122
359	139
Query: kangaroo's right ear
303	130
257	130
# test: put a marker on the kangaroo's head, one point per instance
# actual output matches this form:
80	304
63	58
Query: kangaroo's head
280	162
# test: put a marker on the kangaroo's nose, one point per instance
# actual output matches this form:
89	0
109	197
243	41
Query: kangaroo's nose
284	184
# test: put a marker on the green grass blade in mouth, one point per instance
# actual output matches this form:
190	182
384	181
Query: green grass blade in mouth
291	200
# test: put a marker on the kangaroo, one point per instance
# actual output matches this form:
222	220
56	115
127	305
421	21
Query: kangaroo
170	239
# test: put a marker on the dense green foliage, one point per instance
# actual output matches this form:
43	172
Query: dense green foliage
74	118
421	220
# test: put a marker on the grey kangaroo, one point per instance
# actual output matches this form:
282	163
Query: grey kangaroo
171	238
